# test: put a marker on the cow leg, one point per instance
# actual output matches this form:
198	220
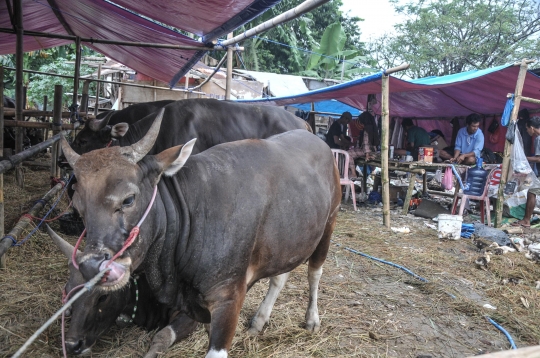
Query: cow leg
224	319
316	260
265	309
181	327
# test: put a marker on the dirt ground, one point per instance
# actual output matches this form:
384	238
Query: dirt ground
367	308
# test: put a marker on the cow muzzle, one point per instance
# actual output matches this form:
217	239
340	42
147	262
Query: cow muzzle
77	346
117	276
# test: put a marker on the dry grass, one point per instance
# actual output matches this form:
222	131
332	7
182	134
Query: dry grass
367	309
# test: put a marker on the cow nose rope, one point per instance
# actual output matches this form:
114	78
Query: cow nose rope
131	238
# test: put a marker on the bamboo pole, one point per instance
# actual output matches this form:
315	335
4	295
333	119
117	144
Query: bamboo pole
57	125
2	257
291	14
28	124
77	73
530	100
106	81
6	242
84	98
384	151
228	80
19	53
216	47
96	103
10	112
507	145
15	159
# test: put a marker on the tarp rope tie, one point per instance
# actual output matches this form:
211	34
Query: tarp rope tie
12	239
505	119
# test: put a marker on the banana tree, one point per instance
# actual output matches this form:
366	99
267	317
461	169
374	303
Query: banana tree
330	60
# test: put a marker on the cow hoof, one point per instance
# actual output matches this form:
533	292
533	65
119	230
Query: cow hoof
313	327
252	331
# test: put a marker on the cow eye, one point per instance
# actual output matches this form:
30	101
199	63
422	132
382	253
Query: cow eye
128	201
102	298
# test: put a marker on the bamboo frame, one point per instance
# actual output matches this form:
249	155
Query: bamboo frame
507	146
385	181
228	80
6	243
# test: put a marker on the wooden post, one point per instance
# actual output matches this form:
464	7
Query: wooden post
96	103
77	72
228	81
57	126
385	114
507	146
19	54
407	201
2	257
84	98
186	85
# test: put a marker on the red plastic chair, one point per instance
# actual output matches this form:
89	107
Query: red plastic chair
342	161
484	201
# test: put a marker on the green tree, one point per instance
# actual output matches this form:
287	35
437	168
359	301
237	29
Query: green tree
444	37
330	59
266	52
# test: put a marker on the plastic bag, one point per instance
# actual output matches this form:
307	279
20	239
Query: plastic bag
447	182
520	164
438	176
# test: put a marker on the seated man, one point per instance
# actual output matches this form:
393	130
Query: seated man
365	146
469	142
336	137
416	137
533	129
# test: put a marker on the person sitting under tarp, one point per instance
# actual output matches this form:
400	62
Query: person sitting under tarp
439	144
336	137
367	141
533	129
469	141
416	137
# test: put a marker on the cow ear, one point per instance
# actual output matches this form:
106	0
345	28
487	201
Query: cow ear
172	159
119	130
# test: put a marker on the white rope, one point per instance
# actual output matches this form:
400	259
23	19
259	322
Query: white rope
87	287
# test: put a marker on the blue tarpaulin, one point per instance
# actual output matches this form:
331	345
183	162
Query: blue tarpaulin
329	106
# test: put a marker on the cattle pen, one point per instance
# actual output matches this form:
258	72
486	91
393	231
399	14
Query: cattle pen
431	301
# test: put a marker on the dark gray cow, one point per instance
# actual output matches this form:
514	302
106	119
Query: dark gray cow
222	220
211	121
96	311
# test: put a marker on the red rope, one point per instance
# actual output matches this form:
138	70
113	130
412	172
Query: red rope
49	220
74	254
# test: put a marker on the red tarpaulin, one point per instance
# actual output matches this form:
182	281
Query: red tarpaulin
98	19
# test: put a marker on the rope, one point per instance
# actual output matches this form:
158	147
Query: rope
500	328
383	261
87	287
15	243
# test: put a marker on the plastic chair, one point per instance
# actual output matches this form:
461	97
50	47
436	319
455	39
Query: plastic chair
484	201
342	160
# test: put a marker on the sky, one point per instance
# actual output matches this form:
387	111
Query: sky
379	16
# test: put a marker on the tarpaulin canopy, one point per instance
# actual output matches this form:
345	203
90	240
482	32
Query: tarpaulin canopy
329	106
99	19
480	91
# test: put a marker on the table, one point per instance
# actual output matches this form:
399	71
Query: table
410	167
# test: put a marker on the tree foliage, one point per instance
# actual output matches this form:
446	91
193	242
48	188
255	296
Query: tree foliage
285	49
444	37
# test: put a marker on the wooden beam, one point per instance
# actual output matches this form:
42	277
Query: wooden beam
60	17
507	145
385	182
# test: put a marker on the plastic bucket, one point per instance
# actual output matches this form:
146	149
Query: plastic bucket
449	226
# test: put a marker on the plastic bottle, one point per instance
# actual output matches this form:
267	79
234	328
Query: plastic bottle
476	179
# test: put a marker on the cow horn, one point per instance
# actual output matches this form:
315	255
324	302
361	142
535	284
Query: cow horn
69	153
62	244
96	124
138	150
